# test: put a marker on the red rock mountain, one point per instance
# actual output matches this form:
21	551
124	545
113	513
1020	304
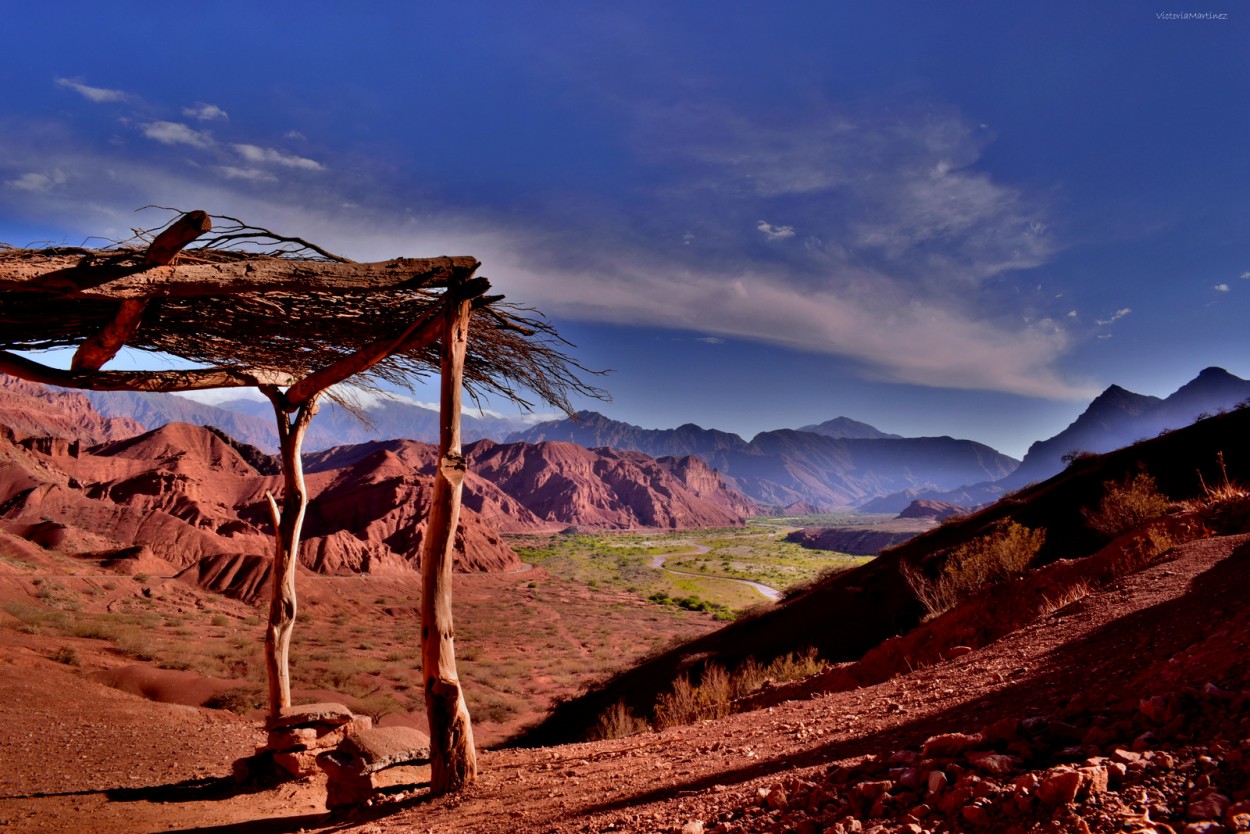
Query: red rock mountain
33	410
563	482
196	499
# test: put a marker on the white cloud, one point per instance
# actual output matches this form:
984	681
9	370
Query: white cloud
233	172
257	154
1220	287
99	95
205	112
35	181
176	133
772	232
1072	314
1114	317
1245	276
711	340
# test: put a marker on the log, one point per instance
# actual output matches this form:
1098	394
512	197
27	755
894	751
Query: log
288	523
424	331
76	276
177	235
453	758
189	380
103	346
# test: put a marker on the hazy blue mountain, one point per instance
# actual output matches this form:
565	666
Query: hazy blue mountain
850	429
1118	417
801	471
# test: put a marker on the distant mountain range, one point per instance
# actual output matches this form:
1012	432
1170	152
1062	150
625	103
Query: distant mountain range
797	471
252	421
817	468
1114	419
1118	417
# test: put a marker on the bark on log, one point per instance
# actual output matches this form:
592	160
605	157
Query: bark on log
453	758
424	331
189	380
103	346
288	523
178	234
73	277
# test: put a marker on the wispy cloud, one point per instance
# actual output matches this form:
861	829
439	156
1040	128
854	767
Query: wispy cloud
1114	317
35	181
711	340
204	112
176	133
772	232
99	95
233	172
1220	287
257	154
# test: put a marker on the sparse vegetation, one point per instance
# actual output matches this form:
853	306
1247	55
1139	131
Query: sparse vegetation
1128	506
240	699
714	696
1006	550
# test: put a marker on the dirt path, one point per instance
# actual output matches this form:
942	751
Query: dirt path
77	757
659	560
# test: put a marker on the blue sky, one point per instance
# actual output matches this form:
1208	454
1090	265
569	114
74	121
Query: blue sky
957	218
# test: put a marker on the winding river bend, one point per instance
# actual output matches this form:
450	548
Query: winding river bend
698	550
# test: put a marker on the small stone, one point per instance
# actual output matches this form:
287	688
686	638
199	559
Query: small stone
1204	827
995	764
1094	778
305	714
1059	786
937	782
950	745
1207	805
1125	756
957	651
693	827
976	815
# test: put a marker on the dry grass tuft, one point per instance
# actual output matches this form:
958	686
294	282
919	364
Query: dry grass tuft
1005	551
1128	506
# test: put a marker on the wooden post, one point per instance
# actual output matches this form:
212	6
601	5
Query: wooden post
453	759
287	523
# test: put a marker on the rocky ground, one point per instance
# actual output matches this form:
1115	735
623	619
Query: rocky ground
1128	710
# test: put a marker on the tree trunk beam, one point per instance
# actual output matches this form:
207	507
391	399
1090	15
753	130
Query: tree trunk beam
189	380
179	233
288	523
100	348
424	331
453	758
71	276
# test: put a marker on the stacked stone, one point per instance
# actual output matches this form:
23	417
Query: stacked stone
299	734
371	760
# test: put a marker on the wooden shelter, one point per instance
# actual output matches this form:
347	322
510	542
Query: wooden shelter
253	309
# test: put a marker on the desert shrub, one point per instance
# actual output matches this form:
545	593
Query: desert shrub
618	721
67	655
1063	597
1127	506
1006	550
239	699
220	620
717	690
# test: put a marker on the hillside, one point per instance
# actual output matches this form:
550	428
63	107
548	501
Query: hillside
846	614
1117	704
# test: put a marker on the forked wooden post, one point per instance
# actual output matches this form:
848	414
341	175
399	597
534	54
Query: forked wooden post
453	759
287	523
